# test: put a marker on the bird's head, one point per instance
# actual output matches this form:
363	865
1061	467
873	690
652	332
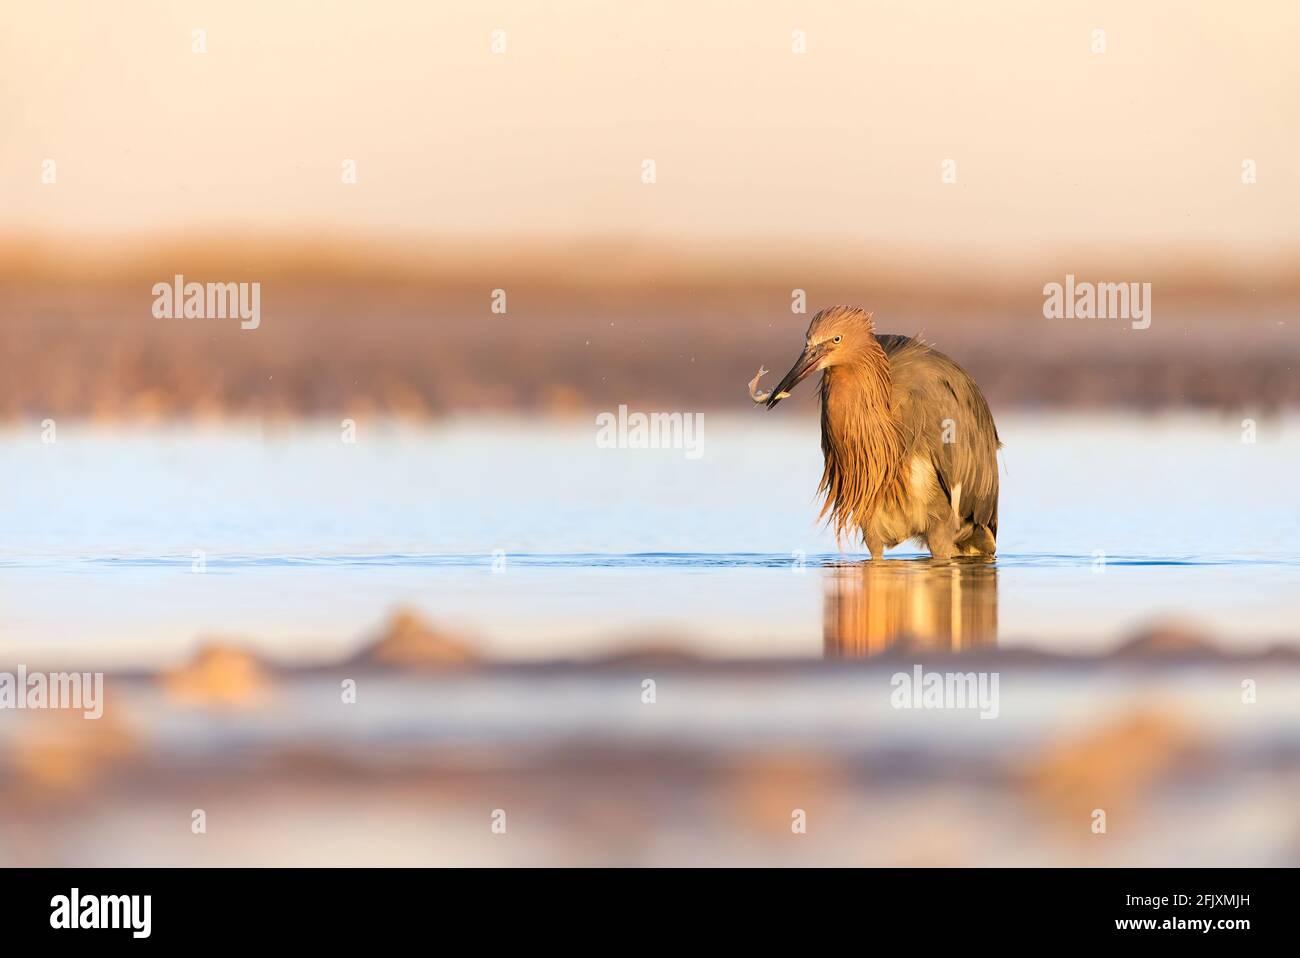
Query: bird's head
836	335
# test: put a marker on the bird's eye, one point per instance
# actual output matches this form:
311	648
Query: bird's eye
837	339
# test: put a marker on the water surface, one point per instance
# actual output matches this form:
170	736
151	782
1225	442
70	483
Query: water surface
132	545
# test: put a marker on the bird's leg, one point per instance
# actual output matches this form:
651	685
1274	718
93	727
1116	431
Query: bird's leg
982	541
939	540
876	545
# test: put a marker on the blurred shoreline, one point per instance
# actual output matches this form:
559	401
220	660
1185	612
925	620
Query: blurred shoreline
407	329
406	753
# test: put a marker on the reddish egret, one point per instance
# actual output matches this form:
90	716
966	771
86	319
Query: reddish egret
909	443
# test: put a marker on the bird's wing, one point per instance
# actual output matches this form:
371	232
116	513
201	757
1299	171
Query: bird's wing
944	417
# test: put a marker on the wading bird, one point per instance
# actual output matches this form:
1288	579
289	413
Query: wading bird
909	443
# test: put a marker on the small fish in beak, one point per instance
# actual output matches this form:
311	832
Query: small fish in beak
754	394
804	365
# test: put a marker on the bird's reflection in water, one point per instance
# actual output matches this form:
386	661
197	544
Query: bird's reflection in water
871	607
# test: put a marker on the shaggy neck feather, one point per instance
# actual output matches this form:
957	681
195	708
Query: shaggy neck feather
861	440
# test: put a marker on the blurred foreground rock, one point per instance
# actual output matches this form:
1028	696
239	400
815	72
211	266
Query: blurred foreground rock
1109	768
1169	638
60	751
408	642
220	674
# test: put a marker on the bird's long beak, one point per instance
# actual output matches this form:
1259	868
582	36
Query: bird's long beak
805	364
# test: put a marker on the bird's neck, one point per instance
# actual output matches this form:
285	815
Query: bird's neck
861	439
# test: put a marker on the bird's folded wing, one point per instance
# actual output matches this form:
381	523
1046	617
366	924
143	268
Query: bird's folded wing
944	418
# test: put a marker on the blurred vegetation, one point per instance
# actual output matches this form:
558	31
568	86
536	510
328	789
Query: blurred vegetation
408	329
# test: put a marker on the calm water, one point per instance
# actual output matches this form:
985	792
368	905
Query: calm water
537	544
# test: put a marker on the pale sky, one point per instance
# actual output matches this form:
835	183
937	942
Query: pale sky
1139	146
